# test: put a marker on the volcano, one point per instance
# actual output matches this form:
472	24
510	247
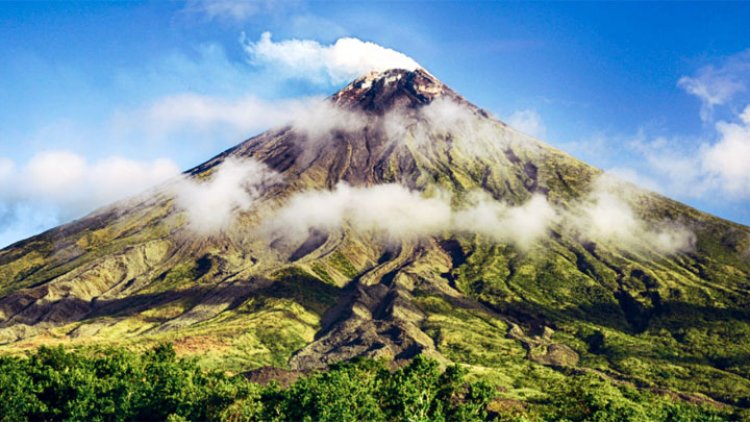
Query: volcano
394	219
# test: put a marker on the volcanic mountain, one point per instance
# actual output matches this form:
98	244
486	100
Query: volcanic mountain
393	219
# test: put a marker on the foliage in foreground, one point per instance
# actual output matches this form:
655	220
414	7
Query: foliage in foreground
116	384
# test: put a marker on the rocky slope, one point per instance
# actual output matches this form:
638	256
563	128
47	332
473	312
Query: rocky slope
398	219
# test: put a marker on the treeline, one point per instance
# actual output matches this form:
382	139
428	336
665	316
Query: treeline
116	384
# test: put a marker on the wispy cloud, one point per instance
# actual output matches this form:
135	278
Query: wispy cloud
178	113
388	209
716	167
69	178
711	166
607	215
336	63
228	10
394	212
728	159
639	179
55	186
397	213
527	121
211	205
717	85
670	163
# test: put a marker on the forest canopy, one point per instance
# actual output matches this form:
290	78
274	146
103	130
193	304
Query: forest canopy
53	383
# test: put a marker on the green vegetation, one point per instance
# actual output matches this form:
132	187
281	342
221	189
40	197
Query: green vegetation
116	384
295	284
339	261
657	326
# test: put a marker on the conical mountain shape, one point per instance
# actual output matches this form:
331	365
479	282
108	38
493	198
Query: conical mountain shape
395	219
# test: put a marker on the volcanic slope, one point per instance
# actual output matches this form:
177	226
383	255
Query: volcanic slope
395	218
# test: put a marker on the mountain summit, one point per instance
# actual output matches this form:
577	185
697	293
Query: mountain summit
396	219
379	91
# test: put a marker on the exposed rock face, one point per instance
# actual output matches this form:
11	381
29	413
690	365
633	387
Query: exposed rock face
554	355
133	273
382	91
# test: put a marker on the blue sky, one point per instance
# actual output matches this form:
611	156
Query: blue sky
101	100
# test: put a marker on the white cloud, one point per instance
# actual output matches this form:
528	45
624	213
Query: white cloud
194	112
718	166
76	185
322	118
233	187
344	60
711	90
672	165
56	186
446	115
712	166
637	178
728	160
606	215
718	85
54	174
444	118
389	209
528	122
398	213
609	217
118	177
521	225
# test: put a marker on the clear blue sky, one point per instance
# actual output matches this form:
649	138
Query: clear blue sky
654	92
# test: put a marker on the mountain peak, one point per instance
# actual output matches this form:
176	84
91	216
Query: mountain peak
378	91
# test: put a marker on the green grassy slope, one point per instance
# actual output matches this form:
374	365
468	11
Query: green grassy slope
672	324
